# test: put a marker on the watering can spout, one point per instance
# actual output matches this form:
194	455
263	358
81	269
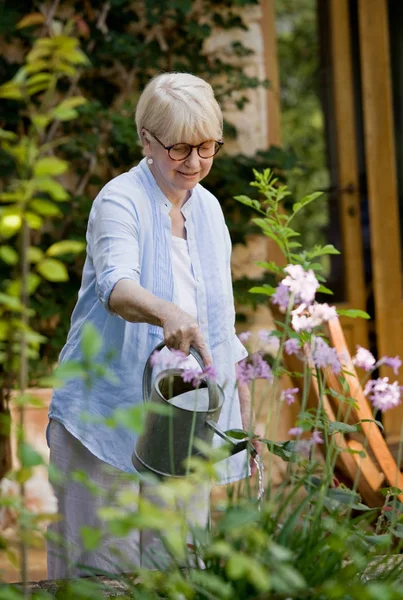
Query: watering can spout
235	446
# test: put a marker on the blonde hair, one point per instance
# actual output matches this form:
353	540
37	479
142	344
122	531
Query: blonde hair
179	107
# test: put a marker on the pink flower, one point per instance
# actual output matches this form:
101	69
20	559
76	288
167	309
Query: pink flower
173	359
321	313
324	356
382	394
305	318
301	283
292	346
253	367
195	376
393	363
316	438
244	336
296	431
281	297
288	395
300	321
364	359
303	447
270	341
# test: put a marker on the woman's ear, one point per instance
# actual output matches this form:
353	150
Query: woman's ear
145	139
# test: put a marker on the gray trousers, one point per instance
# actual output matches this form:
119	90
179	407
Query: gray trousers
72	545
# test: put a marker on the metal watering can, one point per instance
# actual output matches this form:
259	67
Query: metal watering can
167	439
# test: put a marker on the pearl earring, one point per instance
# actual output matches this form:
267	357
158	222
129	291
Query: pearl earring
150	161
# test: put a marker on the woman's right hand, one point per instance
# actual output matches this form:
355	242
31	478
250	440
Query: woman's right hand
181	331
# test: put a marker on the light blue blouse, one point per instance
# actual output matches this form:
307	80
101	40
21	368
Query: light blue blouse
129	237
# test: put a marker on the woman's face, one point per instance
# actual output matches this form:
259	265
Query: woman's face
174	177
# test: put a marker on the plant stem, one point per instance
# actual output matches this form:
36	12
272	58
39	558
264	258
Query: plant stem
23	383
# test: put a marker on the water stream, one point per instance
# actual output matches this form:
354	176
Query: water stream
260	471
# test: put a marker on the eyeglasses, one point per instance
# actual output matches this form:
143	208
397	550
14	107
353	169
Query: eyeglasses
181	151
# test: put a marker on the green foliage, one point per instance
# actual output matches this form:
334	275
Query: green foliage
32	192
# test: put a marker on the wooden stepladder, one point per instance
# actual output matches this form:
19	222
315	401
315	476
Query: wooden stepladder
379	468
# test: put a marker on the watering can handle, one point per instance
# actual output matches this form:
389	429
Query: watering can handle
213	391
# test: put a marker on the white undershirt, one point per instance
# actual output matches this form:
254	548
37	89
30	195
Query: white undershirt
185	285
184	281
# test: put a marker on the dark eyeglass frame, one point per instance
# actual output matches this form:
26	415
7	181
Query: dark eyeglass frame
169	148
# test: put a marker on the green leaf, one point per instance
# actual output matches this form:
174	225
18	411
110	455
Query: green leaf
28	400
32	19
69	370
8	255
77	57
34	221
91	536
11	91
65	111
52	270
339	426
50	165
380	425
269	266
91	341
322	251
65	114
353	313
266	289
46	208
52	187
33	280
35	254
288	451
7	135
40	121
214	584
304	202
324	290
28	456
66	247
343	496
237	434
248	201
72	102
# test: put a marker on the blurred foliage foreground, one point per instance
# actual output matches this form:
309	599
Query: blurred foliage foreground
308	538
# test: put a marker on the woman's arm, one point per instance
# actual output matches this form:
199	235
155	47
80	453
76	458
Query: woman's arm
137	305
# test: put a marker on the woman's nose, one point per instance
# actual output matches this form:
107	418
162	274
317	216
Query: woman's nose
193	158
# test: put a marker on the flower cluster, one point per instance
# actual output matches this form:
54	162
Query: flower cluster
302	284
324	356
244	336
305	318
173	359
253	367
195	376
271	342
304	446
365	360
281	297
288	395
382	394
292	346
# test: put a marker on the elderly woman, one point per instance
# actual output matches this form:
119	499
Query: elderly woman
157	269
